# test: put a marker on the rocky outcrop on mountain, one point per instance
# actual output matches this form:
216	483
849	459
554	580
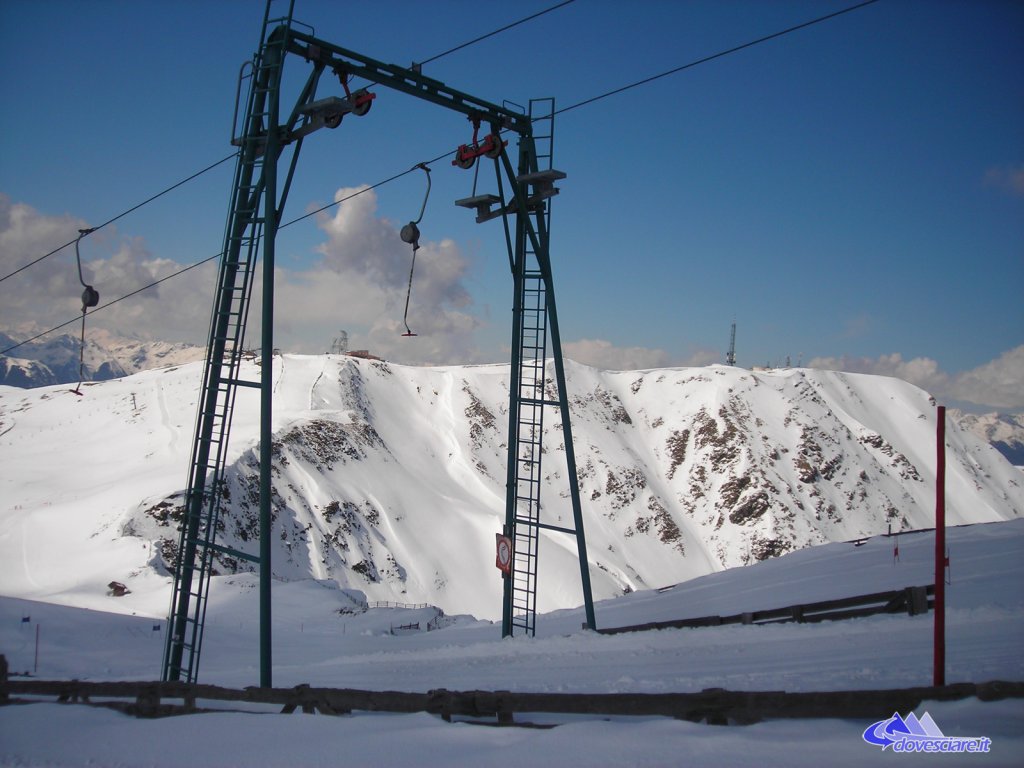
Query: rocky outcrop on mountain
391	481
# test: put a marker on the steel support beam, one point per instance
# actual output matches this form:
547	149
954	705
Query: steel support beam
406	81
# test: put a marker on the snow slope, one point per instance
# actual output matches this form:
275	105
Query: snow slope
313	643
390	480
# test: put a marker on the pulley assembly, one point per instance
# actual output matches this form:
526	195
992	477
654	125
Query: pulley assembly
490	147
359	102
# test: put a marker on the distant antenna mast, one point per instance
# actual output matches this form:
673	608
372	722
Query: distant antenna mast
730	356
340	344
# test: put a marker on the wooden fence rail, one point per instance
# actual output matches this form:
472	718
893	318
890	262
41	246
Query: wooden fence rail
152	699
910	600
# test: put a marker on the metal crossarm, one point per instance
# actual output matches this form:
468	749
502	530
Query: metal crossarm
407	81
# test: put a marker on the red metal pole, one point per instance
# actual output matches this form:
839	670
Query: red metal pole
939	674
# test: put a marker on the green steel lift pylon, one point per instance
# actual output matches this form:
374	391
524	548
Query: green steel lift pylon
255	211
535	321
252	220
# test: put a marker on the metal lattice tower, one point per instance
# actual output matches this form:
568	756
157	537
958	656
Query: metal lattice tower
340	344
252	219
730	356
531	393
255	210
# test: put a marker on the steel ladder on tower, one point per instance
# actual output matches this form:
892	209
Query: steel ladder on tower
530	435
206	482
533	395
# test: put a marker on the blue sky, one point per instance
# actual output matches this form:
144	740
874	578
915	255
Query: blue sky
851	195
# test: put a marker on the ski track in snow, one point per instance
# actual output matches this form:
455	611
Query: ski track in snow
166	419
312	388
25	566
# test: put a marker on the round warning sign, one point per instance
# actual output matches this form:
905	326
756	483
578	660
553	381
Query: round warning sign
504	553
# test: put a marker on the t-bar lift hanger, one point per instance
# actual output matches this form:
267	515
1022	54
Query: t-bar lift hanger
90	298
411	234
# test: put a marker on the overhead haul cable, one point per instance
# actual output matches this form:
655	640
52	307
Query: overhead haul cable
492	34
714	56
112	302
200	263
234	154
134	208
585	102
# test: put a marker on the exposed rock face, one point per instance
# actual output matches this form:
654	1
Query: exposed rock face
394	478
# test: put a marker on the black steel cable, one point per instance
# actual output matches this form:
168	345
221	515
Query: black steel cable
121	215
115	301
367	189
233	154
81	358
585	102
215	256
492	34
714	56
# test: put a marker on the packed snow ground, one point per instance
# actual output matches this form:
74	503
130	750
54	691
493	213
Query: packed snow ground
315	644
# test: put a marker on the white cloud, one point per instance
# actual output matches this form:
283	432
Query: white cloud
603	354
25	234
362	283
998	384
48	288
921	371
702	357
358	284
48	293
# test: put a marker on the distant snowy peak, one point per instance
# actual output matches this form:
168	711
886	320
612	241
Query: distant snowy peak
18	372
135	356
1002	430
60	359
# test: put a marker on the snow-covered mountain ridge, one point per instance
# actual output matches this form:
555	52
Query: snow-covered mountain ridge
1005	431
57	360
390	479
